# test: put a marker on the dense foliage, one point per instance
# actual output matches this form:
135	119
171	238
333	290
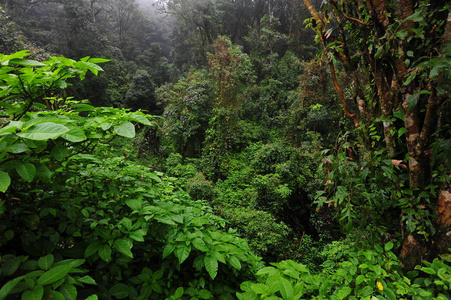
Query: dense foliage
217	157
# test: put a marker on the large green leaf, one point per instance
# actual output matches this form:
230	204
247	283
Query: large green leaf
17	148
138	118
344	292
46	262
120	291
211	265
69	292
182	252
26	62
105	252
5	181
234	262
74	135
8	287
54	274
168	250
286	289
36	293
43	131
27	171
43	172
125	129
87	279
138	235
60	152
124	246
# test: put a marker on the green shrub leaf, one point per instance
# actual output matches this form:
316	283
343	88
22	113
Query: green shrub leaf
54	274
46	262
105	252
5	181
124	246
69	292
389	246
182	252
286	289
344	292
428	270
27	171
125	129
120	291
36	293
211	265
9	286
74	135
43	131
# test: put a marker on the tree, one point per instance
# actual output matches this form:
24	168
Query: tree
124	14
396	55
141	94
187	110
229	69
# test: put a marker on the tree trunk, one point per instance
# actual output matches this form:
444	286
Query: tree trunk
386	61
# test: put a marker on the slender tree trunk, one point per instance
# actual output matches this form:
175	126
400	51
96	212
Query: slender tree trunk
389	72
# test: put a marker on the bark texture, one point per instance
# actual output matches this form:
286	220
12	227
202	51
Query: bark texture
389	59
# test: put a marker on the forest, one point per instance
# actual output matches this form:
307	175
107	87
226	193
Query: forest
225	149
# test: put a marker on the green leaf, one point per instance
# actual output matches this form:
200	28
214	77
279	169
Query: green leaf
138	118
17	148
168	250
43	172
60	152
199	244
80	107
182	252
125	129
211	265
98	60
46	262
27	171
10	265
344	292
69	292
124	246
74	135
92	297
204	294
26	62
235	262
261	289
366	291
119	291
286	289
87	279
179	293
54	274
91	249
138	235
36	293
9	286
154	177
9	234
388	246
378	248
134	204
5	181
428	271
54	295
43	131
105	252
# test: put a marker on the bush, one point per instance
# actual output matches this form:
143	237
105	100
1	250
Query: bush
358	274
